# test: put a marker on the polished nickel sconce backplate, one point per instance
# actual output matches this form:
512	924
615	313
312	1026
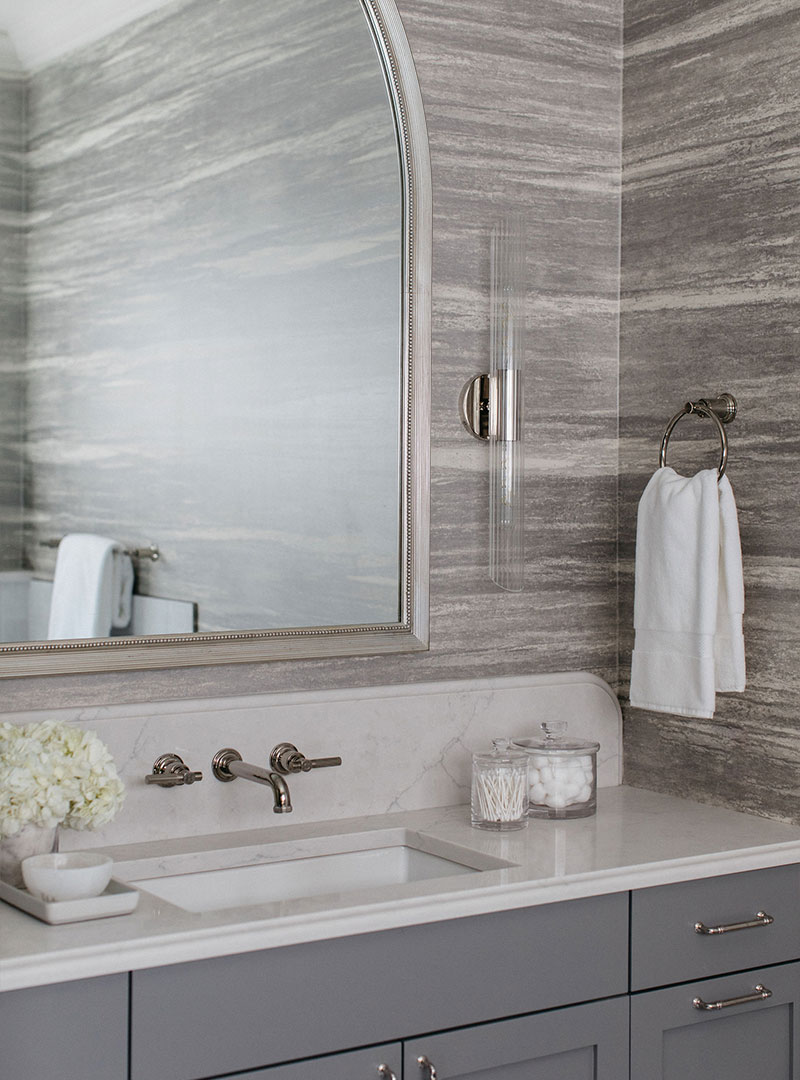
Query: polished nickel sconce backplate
491	406
474	406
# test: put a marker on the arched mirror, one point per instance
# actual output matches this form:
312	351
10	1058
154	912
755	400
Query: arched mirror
214	318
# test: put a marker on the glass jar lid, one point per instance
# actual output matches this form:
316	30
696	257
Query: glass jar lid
503	753
556	741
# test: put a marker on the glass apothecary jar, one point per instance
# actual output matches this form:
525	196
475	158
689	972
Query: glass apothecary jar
500	788
562	774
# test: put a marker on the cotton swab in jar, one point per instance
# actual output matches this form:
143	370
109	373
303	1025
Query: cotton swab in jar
500	788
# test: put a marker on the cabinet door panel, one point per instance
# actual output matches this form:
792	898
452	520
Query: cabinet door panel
69	1031
585	1042
356	1065
672	1040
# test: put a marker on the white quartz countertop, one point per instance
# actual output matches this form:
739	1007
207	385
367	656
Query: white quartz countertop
638	839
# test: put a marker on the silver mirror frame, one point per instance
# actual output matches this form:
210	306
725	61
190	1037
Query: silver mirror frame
410	634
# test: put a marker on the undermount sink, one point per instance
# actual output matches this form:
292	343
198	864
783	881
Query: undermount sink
388	861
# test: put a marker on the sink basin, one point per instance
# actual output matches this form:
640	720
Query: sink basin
386	864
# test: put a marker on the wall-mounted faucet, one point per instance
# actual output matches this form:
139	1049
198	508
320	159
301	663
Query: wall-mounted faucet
285	759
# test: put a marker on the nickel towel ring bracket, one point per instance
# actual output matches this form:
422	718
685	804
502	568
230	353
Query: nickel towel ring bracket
722	410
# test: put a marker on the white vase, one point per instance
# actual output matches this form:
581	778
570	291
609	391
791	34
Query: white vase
31	840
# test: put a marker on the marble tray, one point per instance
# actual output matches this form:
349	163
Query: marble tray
118	899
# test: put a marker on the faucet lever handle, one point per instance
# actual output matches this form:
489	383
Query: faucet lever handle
320	763
169	770
285	758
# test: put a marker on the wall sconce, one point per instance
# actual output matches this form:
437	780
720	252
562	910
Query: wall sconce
491	406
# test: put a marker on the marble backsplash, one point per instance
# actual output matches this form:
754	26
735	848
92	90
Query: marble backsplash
402	748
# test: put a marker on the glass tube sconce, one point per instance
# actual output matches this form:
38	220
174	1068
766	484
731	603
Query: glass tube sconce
491	406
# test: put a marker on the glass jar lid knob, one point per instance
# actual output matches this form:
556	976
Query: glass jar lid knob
554	730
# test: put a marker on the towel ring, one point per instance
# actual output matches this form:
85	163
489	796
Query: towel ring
721	410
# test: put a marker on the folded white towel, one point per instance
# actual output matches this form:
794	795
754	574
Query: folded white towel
92	588
689	597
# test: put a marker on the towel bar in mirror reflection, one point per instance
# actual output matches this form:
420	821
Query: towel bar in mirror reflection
286	199
722	410
150	551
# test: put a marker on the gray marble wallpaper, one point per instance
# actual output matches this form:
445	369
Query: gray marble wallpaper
12	303
523	110
710	286
214	301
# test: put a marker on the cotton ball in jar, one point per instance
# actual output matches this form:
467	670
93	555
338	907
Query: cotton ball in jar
537	792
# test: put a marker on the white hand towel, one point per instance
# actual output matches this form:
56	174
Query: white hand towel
91	588
689	597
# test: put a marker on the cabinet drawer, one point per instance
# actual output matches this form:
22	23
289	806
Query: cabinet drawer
213	1017
666	948
671	1039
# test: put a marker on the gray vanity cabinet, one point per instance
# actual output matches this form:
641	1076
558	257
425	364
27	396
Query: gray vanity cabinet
69	1031
743	1023
584	1042
541	993
674	1040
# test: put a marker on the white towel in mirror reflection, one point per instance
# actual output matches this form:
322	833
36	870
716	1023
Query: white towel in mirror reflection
92	588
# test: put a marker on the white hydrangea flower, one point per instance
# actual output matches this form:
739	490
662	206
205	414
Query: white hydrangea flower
52	774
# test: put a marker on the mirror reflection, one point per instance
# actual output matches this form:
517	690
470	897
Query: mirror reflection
200	319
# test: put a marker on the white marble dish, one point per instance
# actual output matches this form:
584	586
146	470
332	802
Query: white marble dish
118	899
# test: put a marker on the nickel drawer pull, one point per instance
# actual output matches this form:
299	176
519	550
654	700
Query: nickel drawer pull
760	993
761	919
386	1072
423	1063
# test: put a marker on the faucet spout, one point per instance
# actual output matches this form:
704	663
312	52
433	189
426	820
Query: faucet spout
228	765
280	789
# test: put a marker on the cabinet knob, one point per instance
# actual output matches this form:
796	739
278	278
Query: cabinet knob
386	1072
424	1063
